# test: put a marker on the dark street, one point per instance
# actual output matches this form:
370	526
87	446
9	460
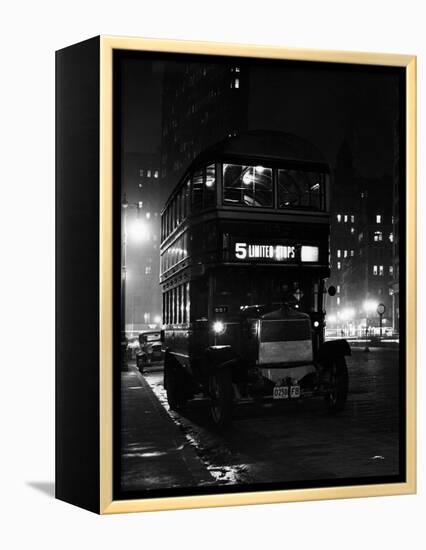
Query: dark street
292	442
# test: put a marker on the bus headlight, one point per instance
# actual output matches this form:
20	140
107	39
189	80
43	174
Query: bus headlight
316	324
219	327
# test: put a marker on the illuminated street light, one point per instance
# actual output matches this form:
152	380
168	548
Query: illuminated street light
138	231
369	306
347	314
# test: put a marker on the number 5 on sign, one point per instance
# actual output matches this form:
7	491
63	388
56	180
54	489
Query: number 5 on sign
241	250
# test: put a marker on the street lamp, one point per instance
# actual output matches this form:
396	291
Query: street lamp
369	306
138	232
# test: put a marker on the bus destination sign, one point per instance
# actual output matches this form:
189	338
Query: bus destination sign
276	252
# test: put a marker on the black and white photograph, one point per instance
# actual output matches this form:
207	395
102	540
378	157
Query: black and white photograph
259	263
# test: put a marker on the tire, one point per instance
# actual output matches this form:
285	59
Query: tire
339	384
173	381
222	396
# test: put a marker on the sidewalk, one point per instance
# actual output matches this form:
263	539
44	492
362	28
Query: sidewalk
155	453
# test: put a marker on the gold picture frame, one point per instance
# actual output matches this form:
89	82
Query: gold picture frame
107	46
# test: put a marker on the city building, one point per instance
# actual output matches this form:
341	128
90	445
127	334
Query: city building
361	249
203	103
141	216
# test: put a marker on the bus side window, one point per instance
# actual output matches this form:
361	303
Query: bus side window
210	186
187	197
197	191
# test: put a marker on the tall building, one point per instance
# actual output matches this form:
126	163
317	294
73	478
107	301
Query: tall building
141	208
203	103
394	286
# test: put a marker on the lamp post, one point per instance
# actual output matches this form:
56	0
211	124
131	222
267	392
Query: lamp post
369	306
124	236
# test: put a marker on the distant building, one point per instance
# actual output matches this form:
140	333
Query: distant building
394	286
141	173
361	248
203	103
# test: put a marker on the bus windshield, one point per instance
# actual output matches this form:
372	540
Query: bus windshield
254	186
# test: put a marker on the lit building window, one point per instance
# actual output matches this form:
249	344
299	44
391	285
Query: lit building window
391	237
391	270
378	236
339	218
345	219
338	301
237	83
141	172
338	289
360	237
381	270
237	69
148	215
148	173
338	253
339	265
374	269
148	270
345	254
352	218
156	174
352	230
140	204
352	253
378	218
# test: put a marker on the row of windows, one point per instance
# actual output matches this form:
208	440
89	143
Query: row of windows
175	253
197	193
148	173
176	303
380	270
350	218
345	253
245	185
253	186
345	218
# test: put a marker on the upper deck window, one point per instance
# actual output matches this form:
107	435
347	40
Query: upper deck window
298	189
247	185
204	188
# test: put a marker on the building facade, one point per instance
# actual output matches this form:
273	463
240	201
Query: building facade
203	103
361	250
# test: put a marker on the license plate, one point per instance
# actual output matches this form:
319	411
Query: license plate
294	392
280	392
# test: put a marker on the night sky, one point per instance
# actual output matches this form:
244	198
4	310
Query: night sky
322	103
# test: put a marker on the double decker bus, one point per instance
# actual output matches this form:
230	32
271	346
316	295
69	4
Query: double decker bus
244	260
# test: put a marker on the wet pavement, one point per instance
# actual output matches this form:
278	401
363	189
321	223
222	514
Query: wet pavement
296	441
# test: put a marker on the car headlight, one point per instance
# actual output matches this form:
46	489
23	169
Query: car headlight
219	327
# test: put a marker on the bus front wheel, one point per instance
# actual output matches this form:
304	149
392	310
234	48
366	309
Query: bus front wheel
221	397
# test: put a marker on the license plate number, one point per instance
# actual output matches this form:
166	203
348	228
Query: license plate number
280	392
294	392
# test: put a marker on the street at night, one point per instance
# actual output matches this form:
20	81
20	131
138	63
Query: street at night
296	441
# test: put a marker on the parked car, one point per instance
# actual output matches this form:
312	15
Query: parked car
150	349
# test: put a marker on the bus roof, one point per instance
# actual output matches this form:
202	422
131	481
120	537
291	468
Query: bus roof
266	144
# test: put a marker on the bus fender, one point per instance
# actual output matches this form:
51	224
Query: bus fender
221	357
334	348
